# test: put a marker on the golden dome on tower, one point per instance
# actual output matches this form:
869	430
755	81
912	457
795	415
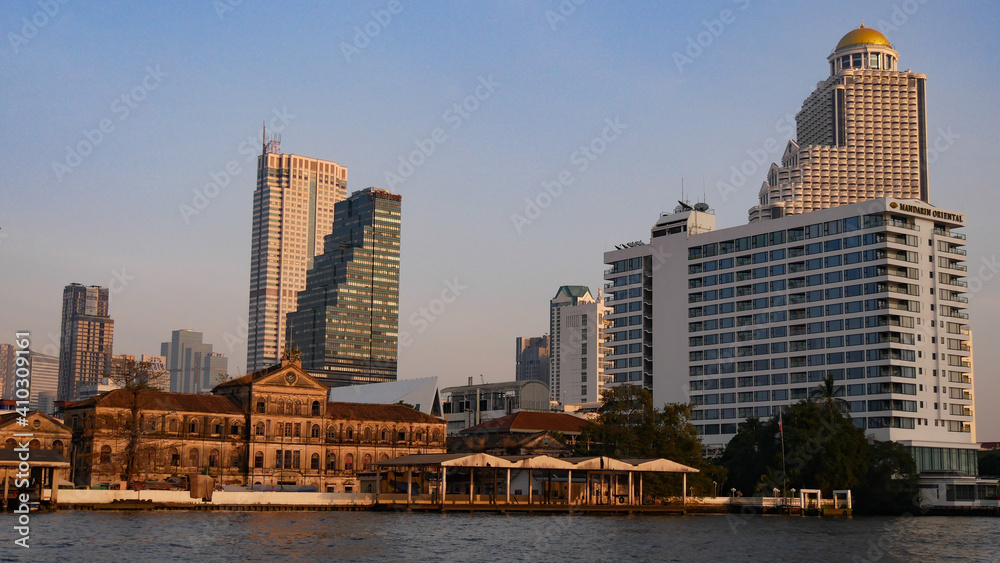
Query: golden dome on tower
863	36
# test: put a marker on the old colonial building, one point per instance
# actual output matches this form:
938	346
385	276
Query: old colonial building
269	428
46	433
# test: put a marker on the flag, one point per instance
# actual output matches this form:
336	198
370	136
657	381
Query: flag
780	429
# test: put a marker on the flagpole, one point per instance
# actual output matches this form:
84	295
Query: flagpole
784	474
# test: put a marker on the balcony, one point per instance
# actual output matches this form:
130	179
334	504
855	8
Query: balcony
947	233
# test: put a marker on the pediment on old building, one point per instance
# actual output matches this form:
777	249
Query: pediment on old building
37	422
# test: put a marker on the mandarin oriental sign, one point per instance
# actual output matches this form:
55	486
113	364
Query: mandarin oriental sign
927	212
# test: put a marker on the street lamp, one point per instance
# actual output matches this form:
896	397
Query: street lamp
715	489
733	492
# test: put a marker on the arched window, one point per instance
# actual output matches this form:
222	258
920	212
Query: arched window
315	408
34	445
331	462
234	430
437	435
367	460
261	406
281	407
384	434
350	433
193	457
172	425
216	427
383	457
297	409
314	462
236	459
368	434
213	458
193	426
10	444
420	435
105	454
58	447
258	460
331	432
175	457
258	429
315	431
349	462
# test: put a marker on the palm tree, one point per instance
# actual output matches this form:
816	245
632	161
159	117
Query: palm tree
830	395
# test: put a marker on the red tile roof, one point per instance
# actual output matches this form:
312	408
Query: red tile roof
370	411
161	400
531	421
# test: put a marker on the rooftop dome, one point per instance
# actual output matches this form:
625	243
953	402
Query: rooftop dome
863	36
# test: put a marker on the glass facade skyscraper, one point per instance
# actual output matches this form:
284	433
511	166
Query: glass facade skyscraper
86	339
347	322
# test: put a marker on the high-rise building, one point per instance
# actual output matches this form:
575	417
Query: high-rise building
192	365
531	361
347	320
292	212
862	134
576	333
44	381
86	339
7	367
749	319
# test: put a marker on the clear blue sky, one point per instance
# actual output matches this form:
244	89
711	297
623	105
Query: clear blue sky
198	79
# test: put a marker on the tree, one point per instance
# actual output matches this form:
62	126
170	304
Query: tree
628	426
140	384
890	486
750	454
829	393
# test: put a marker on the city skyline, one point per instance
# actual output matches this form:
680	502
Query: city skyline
664	94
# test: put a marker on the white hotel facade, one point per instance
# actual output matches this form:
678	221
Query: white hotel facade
862	284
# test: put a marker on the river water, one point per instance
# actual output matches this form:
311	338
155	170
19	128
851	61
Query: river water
393	536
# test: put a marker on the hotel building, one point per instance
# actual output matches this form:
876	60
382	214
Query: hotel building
531	359
292	212
861	134
347	322
86	339
856	285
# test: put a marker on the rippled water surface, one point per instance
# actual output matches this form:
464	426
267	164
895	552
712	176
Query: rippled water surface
368	536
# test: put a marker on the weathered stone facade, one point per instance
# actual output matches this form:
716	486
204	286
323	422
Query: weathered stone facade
273	427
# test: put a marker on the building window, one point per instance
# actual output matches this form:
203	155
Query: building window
175	458
331	432
105	454
315	408
234	430
315	431
258	460
258	429
367	460
288	429
217	427
348	462
261	406
331	462
402	436
58	446
314	462
350	433
213	458
193	457
193	427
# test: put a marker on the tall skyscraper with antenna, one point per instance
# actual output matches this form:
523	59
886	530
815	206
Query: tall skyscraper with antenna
292	212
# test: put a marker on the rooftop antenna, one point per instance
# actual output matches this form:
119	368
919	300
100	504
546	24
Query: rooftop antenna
263	138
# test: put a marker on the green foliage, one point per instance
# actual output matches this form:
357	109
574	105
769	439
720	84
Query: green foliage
628	426
822	450
890	487
989	463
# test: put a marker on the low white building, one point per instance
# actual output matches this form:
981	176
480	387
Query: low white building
468	405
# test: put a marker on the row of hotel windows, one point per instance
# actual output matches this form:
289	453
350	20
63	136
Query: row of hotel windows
813	311
853	323
811	360
832	245
776	238
816	376
813	264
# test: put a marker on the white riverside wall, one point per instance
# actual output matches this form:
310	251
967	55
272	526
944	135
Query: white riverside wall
80	496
